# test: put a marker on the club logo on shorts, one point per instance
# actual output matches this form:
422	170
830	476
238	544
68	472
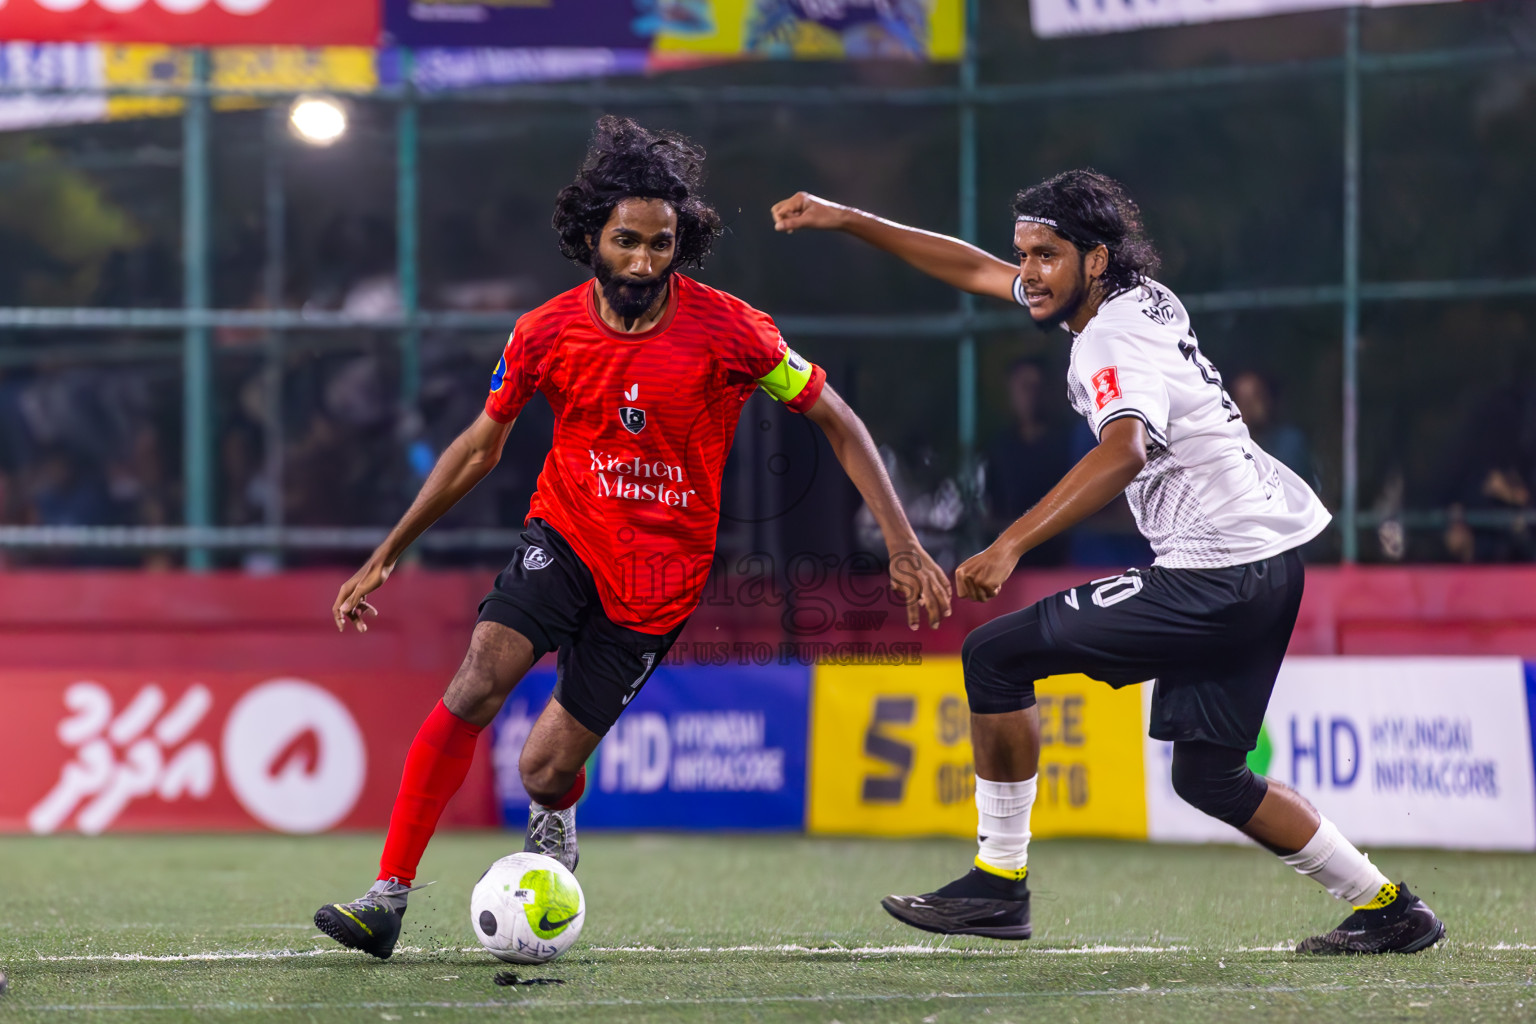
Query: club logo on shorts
1106	386
632	418
536	558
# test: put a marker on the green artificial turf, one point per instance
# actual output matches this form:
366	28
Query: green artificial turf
1190	934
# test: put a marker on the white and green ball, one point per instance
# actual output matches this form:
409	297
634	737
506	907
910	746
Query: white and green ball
527	909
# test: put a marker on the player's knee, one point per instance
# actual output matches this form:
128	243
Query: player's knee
1217	781
989	688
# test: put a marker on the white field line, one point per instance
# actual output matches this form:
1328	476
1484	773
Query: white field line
901	950
1245	991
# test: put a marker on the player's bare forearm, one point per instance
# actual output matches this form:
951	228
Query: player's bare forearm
1094	482
464	463
913	572
951	260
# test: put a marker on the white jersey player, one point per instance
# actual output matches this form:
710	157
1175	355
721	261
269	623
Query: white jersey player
1208	496
1209	621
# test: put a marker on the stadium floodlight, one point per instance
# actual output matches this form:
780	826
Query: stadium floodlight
318	120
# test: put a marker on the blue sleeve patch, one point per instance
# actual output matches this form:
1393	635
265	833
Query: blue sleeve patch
500	374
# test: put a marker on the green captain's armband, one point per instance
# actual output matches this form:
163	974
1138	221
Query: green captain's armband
785	381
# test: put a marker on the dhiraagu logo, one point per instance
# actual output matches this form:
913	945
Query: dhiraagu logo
1263	753
555	905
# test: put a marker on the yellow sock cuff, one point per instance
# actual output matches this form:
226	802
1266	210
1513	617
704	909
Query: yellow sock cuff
1012	874
1384	897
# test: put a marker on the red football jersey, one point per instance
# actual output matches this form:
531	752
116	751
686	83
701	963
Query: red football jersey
643	425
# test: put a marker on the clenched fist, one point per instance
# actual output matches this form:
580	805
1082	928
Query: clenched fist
981	576
803	210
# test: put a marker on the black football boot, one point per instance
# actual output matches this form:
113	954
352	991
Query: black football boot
370	923
977	903
1406	925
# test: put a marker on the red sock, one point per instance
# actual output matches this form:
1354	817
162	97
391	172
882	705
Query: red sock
577	788
435	768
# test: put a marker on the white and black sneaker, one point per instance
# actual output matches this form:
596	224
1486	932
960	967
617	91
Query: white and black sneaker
552	833
1406	925
977	903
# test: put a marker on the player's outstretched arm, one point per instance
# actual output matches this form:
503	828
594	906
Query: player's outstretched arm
1088	486
914	575
949	259
464	463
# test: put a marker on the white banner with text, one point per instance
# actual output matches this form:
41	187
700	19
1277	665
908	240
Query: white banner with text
1086	17
1397	751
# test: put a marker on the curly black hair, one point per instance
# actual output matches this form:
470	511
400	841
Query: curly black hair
1091	209
625	161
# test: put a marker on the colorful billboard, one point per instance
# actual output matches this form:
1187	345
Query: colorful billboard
193	22
671	31
349	69
891	754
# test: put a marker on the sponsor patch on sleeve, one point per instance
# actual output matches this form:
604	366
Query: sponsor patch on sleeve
1106	386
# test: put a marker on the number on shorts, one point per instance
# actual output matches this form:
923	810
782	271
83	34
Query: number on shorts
1111	591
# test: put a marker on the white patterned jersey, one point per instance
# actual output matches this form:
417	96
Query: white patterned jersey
1208	496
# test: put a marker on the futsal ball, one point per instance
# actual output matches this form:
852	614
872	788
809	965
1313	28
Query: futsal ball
527	909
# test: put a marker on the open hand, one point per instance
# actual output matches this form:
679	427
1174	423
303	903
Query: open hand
922	584
803	210
981	576
351	604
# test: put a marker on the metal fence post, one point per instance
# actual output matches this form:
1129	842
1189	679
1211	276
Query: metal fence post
1351	397
407	137
966	351
274	278
197	375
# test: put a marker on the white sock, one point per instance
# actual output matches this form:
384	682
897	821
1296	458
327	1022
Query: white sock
1334	863
1002	828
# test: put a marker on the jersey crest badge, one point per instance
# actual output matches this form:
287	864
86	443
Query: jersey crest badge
535	558
1106	386
633	419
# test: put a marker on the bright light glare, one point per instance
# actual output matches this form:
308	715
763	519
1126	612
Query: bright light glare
318	121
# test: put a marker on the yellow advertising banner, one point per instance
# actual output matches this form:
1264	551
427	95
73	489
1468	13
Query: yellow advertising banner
890	754
328	68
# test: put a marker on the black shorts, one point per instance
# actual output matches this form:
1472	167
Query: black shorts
1213	639
547	594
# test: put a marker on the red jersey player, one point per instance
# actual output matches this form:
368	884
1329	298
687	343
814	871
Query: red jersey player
646	371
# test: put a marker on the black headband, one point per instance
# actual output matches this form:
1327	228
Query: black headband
1075	237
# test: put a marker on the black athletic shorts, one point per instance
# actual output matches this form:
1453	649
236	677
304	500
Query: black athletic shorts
547	594
1212	638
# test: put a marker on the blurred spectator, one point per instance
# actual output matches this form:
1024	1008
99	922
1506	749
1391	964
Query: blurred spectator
1025	460
931	498
1488	495
1258	398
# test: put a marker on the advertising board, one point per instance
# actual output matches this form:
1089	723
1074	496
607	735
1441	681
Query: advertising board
891	754
193	22
184	751
1073	17
1396	751
700	748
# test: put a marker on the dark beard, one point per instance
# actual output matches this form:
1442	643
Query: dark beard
1074	302
629	300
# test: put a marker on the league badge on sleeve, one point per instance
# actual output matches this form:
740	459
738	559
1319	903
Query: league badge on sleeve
1106	386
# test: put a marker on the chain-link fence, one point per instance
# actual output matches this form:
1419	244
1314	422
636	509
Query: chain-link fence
220	347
